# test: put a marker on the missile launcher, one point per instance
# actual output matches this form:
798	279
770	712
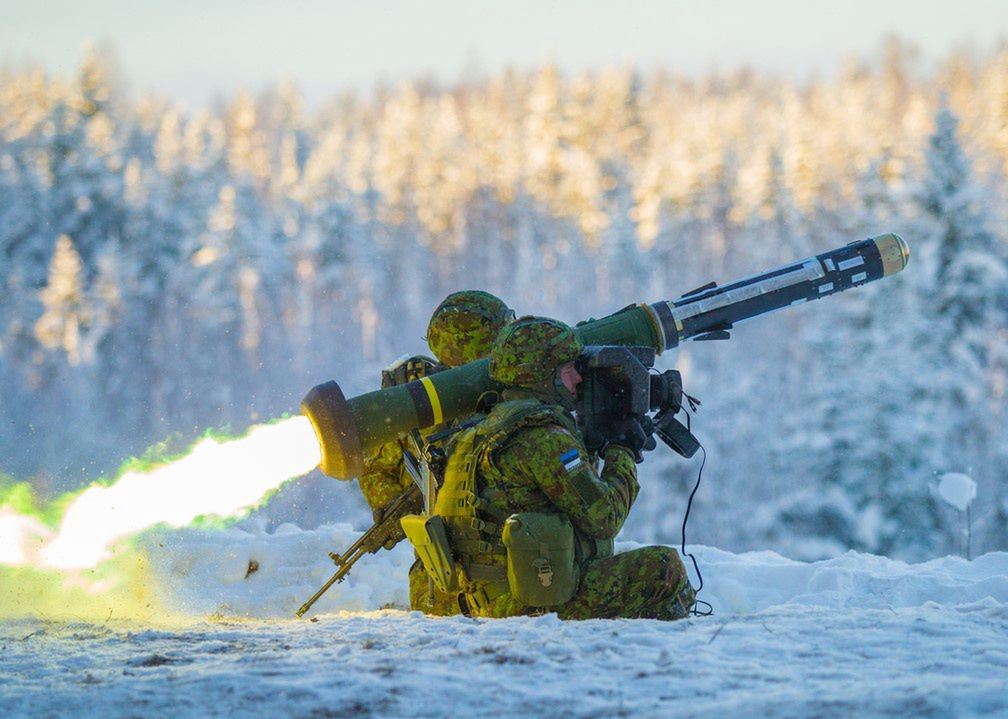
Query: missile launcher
348	428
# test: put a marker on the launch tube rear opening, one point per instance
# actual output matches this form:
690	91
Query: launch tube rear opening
336	430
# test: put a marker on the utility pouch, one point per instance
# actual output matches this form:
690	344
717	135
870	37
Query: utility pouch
541	570
430	540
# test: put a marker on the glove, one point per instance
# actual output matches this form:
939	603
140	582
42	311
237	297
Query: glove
631	434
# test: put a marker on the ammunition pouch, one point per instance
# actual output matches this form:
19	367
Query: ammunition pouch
541	566
430	540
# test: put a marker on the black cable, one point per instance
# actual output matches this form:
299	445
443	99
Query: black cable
689	505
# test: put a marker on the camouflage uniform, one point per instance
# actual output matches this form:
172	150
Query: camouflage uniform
529	457
385	478
461	330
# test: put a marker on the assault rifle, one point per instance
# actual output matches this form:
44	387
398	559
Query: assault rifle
424	461
376	537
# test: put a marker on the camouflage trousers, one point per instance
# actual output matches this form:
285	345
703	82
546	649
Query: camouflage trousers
646	583
425	597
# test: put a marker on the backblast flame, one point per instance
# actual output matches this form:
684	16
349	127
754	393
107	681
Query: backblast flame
218	477
18	534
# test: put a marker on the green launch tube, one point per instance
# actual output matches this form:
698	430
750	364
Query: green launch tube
348	428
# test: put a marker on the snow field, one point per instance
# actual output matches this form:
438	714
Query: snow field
857	634
796	661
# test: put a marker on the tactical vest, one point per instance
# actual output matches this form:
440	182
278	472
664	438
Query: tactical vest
473	519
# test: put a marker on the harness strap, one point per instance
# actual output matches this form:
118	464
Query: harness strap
486	573
477	546
481	597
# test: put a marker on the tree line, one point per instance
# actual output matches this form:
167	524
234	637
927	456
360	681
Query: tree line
165	272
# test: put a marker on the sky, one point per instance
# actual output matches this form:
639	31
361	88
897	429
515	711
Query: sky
193	50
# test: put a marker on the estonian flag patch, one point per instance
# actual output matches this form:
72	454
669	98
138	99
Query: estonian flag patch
571	460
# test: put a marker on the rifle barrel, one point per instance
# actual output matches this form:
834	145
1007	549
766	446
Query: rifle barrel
369	542
340	573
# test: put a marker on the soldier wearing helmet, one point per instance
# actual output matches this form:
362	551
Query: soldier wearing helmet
461	330
529	520
464	326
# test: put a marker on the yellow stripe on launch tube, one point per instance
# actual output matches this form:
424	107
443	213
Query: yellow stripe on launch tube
435	401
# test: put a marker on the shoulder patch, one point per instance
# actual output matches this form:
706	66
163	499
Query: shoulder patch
570	460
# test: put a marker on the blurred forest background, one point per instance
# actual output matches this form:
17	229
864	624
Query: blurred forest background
164	272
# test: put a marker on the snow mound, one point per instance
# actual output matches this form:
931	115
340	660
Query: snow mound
756	581
248	572
244	572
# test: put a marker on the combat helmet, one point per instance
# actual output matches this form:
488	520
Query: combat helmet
463	327
528	352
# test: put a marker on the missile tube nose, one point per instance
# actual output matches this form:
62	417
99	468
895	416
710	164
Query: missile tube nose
895	253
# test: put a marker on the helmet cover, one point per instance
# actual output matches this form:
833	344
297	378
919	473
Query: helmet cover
463	327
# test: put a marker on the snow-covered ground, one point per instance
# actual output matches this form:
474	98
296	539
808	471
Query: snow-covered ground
855	635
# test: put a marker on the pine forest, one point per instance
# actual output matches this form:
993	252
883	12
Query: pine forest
164	271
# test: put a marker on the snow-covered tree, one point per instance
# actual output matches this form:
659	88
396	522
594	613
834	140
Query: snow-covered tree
226	260
965	292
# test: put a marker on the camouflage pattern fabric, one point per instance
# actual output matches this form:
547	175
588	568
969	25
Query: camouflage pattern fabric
463	327
384	478
426	598
527	353
543	466
646	583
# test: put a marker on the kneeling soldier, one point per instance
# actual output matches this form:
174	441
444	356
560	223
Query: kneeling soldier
461	330
524	520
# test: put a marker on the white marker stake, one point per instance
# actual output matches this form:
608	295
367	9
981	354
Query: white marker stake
959	490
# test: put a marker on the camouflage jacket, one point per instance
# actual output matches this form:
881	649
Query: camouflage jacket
545	467
384	477
530	458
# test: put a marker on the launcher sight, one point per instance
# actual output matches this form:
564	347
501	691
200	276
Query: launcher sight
618	384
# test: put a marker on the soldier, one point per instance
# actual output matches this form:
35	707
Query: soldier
461	330
530	522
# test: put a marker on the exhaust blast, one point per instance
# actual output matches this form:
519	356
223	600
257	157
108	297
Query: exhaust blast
217	477
347	428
